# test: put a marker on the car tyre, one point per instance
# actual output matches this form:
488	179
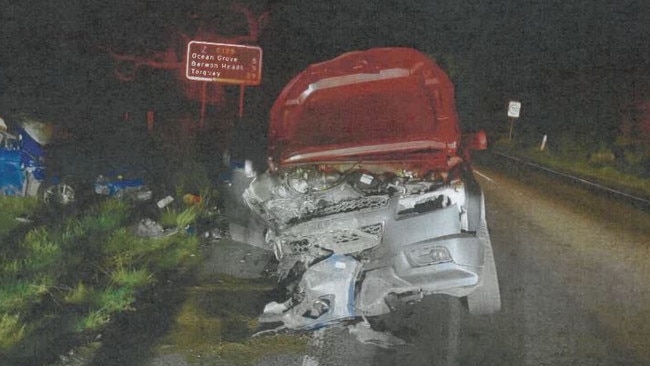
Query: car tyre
61	194
486	299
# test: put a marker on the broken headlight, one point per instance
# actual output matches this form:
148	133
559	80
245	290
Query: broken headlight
319	307
311	179
425	256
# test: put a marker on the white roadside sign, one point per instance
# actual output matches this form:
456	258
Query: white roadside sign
513	109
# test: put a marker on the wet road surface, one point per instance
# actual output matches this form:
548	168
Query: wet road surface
573	269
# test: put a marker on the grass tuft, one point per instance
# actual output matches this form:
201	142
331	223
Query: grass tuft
80	294
94	320
110	215
15	295
132	278
42	252
179	219
12	330
72	231
116	299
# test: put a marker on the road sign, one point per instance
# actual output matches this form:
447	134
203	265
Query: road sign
224	63
513	109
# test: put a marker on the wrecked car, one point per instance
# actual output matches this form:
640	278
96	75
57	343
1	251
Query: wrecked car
369	201
122	185
23	164
35	162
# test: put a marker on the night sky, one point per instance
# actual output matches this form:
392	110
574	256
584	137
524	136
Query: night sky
571	63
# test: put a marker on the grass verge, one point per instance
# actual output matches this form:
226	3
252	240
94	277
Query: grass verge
605	173
74	276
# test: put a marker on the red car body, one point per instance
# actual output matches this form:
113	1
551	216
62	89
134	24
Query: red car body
378	105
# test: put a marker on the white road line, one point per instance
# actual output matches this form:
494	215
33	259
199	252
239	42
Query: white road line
484	176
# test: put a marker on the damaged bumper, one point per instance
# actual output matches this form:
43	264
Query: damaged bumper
382	260
324	295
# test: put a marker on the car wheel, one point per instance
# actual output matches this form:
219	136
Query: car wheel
486	299
61	194
10	191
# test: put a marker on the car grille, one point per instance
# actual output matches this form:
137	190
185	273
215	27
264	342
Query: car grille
361	204
342	241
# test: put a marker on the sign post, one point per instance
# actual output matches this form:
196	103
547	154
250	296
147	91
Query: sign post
204	92
514	108
223	63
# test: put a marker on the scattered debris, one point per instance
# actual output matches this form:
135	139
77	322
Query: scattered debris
164	202
24	220
148	228
121	187
191	199
365	334
214	234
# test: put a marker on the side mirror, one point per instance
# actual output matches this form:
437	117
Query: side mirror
475	141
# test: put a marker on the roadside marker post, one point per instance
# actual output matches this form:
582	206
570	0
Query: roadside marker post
514	108
543	145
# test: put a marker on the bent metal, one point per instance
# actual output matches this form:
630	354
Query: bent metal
363	215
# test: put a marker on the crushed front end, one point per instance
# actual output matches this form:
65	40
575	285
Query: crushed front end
369	201
360	243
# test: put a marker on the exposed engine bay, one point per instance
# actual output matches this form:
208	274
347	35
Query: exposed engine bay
337	201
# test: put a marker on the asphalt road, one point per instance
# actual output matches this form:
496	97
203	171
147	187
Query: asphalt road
573	268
